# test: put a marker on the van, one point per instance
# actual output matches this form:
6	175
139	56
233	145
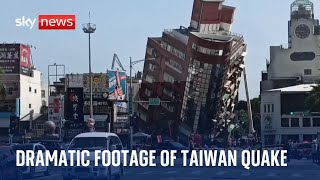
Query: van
92	141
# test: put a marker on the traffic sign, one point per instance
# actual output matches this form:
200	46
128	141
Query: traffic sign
154	101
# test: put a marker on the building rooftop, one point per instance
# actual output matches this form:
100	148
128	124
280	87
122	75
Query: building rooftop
297	88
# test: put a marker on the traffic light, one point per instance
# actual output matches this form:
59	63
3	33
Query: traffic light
14	124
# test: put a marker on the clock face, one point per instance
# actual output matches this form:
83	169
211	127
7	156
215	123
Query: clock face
302	31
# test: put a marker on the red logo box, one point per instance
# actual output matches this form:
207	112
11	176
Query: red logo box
57	22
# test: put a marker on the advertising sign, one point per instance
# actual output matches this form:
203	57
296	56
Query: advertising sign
56	108
74	105
99	93
74	80
10	58
25	56
117	85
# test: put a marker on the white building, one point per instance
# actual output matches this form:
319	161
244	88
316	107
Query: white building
28	90
296	63
44	94
291	71
284	117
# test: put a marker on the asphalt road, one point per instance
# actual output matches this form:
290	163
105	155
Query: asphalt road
296	170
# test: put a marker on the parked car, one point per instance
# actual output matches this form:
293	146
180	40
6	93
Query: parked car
94	141
8	168
28	170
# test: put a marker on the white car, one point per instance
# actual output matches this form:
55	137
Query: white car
94	141
33	170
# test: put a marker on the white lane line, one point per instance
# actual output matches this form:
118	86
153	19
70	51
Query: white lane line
271	175
147	172
170	172
221	173
195	172
245	174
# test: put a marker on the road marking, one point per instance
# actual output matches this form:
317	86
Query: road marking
271	174
221	173
170	172
147	172
195	172
245	174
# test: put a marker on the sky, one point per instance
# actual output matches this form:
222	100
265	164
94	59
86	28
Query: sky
123	27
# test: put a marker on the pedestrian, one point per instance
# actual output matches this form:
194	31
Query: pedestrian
90	125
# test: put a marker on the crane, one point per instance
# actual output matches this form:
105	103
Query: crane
116	60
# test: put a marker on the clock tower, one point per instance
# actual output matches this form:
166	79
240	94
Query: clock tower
302	24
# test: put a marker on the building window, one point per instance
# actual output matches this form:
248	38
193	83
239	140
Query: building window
152	67
43	93
306	122
268	108
272	108
35	91
284	122
149	78
174	65
10	91
148	92
30	89
308	72
316	122
167	92
29	105
265	108
294	122
168	78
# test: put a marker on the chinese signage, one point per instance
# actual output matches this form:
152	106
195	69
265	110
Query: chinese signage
99	83
117	85
99	93
56	108
74	80
15	59
74	105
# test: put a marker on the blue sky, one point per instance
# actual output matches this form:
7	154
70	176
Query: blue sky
123	26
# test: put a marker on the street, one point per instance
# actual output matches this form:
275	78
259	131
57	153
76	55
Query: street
296	169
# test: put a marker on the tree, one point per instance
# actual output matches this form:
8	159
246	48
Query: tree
312	102
44	109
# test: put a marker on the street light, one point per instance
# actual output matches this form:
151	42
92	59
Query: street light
132	63
89	28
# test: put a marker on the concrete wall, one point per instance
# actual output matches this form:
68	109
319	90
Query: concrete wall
33	97
283	67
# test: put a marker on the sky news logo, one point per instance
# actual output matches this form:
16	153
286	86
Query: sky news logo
48	22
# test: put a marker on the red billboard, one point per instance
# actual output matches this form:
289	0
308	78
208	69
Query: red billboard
15	59
25	56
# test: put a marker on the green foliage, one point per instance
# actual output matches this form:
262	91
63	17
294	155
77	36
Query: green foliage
312	102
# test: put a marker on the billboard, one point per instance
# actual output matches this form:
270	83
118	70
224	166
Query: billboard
74	105
99	93
10	58
117	85
74	80
15	59
56	108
